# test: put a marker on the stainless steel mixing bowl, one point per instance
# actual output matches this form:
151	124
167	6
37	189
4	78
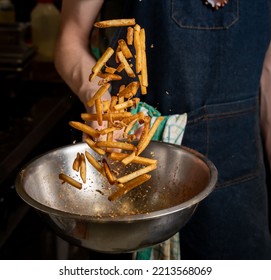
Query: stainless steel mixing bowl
145	216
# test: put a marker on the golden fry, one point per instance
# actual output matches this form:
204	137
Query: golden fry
144	133
138	49
101	63
136	159
143	88
76	163
150	135
105	104
143	58
99	110
130	35
94	162
127	66
115	23
124	105
108	77
120	67
85	128
106	117
91	144
117	145
110	177
129	158
125	49
138	116
83	168
130	90
110	70
108	130
129	186
101	91
70	180
129	127
136	173
114	101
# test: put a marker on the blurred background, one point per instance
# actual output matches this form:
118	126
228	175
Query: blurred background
36	106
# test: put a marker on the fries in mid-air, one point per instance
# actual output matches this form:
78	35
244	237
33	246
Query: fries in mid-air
115	23
114	115
69	180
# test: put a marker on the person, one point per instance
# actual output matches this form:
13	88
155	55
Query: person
207	63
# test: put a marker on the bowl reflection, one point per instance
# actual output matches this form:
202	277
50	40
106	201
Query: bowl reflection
145	216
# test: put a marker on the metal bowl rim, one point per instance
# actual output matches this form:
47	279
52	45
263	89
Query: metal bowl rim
125	218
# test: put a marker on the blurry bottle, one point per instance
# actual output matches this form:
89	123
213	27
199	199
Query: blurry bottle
7	12
45	19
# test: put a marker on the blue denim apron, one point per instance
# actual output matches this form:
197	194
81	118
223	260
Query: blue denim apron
208	64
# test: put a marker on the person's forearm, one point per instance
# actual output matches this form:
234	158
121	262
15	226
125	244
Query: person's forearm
73	60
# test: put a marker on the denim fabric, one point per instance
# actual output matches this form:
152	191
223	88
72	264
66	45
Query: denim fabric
208	64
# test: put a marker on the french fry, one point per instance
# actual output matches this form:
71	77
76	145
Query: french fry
136	173
114	101
115	23
130	35
143	88
129	158
110	70
83	168
110	177
108	130
120	67
149	136
85	128
101	63
76	163
120	101
125	49
91	144
143	58
116	56
124	105
100	92
99	111
94	162
127	66
108	77
130	90
129	127
144	133
138	49
106	104
117	145
109	136
138	116
106	117
129	186
136	159
70	180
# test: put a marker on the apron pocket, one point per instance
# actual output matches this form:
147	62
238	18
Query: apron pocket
228	134
194	14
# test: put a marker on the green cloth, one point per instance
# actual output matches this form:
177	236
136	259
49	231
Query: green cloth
153	113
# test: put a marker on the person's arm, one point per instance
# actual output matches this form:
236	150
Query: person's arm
73	60
266	103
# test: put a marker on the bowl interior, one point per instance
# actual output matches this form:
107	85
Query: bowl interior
182	178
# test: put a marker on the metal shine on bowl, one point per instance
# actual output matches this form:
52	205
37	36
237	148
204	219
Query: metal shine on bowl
145	216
